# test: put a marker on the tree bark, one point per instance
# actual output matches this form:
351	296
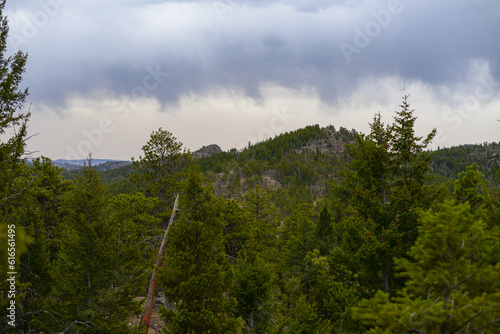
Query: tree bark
146	319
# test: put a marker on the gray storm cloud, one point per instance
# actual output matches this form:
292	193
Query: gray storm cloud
167	49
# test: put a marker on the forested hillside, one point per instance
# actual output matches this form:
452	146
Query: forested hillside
318	230
307	159
449	162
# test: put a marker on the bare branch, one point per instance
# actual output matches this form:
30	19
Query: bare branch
76	322
482	327
19	193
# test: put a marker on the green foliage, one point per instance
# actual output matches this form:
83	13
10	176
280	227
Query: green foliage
41	220
157	174
452	161
12	97
117	182
471	187
89	293
254	282
236	229
324	231
196	277
263	219
297	160
15	176
410	169
136	233
302	318
372	215
296	235
13	181
296	241
385	183
445	291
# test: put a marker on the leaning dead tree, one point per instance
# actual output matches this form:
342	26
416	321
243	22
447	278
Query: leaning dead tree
146	319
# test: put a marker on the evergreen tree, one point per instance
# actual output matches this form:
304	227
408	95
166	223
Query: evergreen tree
302	318
137	227
353	273
386	180
254	284
368	181
296	241
12	99
444	293
263	218
324	231
157	173
411	165
301	270
136	232
15	178
236	229
254	269
195	276
41	220
369	174
13	181
384	184
471	187
86	298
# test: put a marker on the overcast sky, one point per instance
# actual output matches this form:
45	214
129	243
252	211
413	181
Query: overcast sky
103	75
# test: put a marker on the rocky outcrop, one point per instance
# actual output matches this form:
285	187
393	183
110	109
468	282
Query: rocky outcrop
207	151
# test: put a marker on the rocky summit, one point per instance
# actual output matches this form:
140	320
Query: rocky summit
207	151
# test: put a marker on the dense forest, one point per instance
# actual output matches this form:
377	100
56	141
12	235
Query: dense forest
318	230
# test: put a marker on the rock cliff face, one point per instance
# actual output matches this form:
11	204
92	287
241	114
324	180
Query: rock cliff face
206	151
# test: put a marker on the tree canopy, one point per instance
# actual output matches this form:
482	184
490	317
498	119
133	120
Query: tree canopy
317	230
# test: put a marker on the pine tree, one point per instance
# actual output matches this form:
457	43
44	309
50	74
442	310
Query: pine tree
41	219
12	99
83	276
296	241
411	164
384	185
158	172
386	181
369	179
14	176
136	229
254	269
254	284
236	229
369	173
444	293
196	276
302	318
324	231
471	187
263	219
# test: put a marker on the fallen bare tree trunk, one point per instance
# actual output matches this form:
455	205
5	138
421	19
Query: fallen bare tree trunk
146	319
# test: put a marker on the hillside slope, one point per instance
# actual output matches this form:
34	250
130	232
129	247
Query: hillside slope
304	158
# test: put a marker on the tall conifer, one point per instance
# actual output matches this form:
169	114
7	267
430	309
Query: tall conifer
196	276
